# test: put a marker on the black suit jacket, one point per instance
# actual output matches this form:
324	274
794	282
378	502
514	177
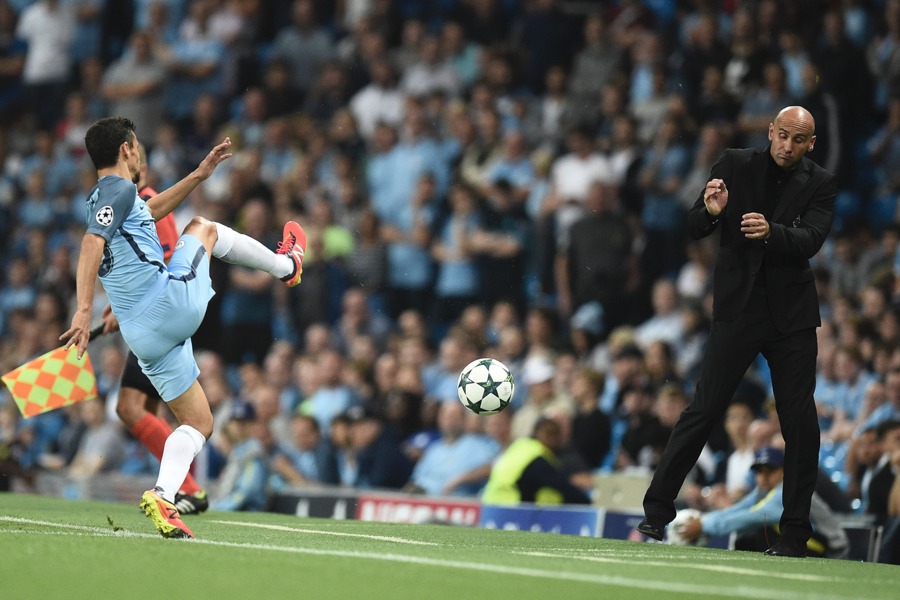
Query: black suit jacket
800	221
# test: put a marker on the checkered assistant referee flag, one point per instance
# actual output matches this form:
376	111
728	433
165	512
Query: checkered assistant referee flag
53	380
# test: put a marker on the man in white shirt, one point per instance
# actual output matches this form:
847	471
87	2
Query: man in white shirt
48	27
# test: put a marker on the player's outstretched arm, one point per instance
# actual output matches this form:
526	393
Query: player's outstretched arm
167	201
79	334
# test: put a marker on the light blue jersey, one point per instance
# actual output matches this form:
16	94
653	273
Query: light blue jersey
159	307
133	262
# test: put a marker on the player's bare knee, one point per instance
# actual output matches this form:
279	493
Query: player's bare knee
205	427
204	230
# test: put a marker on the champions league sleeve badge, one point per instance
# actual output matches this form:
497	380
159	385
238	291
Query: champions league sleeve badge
105	216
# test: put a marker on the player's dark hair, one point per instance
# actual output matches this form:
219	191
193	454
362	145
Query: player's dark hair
104	138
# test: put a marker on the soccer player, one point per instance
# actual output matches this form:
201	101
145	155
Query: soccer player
138	400
160	306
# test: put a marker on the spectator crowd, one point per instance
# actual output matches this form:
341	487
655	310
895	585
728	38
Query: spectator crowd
504	178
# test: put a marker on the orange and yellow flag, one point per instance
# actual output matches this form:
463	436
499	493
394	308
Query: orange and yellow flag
51	381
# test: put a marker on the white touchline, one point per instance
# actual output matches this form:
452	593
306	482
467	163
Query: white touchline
87	528
742	591
701	567
382	538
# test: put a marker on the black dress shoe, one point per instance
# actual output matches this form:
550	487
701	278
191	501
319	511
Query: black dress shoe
651	530
785	547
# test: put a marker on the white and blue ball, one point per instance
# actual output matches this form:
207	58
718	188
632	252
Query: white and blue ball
485	386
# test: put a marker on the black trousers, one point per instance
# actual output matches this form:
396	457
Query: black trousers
732	348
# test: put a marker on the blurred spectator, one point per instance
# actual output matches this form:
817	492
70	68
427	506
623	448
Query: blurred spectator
73	125
659	364
463	55
332	397
761	104
663	217
12	475
548	36
367	263
665	324
556	111
406	53
282	97
598	263
747	55
456	350
431	72
329	94
62	451
704	52
824	108
710	145
572	176
101	446
48	28
651	106
247	128
542	399
304	45
380	460
750	518
305	459
134	84
714	104
590	425
737	465
13	52
406	229
194	63
57	169
694	280
357	320
379	102
854	380
883	150
645	437
446	464
18	290
268	413
597	64
890	409
457	281
242	483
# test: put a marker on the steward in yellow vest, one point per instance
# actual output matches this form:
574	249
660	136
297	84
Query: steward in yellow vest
528	471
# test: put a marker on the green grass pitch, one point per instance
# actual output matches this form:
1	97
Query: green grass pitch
55	548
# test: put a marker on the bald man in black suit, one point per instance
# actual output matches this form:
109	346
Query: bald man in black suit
773	207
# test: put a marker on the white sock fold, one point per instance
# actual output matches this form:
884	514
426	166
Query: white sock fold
239	249
181	447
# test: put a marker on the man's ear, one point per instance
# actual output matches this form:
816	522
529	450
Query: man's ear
128	148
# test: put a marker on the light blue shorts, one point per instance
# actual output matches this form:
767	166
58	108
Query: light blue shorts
158	330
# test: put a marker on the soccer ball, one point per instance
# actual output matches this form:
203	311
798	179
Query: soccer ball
673	531
485	386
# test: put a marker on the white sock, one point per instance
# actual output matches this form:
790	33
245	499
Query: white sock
239	249
182	446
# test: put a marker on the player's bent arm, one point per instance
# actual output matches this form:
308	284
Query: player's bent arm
78	335
167	201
